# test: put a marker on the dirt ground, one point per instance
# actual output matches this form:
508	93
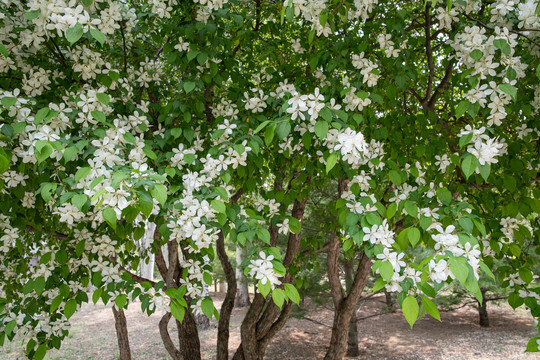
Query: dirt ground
386	336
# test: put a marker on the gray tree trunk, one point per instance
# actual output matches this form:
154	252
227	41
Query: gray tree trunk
147	270
242	291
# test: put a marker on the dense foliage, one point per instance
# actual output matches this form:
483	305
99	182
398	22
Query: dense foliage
216	120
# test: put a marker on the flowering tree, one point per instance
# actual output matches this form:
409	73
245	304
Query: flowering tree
120	114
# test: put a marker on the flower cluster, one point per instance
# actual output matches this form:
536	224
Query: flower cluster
263	269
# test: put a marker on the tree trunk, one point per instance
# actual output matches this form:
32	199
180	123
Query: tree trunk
242	292
390	303
343	312
264	319
188	336
482	310
147	270
352	342
120	324
202	321
228	302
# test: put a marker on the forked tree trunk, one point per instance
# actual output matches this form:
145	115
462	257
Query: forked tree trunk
120	324
264	319
242	292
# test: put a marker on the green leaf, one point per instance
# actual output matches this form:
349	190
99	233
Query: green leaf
391	210
4	52
176	132
70	153
487	270
292	293
31	15
219	206
79	200
476	54
189	86
4	164
502	45
321	129
444	195
484	170
411	208
468	165
177	310
40	115
96	295
110	217
431	308
462	108
414	236
56	303
269	134
120	301
466	224
42	150
395	177
265	288
99	116
70	308
81	173
283	130
98	35
459	269
386	270
264	235
532	345
8	102
509	89
40	353
73	34
294	225
410	309
261	126
103	98
207	307
159	192
378	285
331	161
278	296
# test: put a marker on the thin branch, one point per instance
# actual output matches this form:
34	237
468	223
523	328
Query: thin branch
429	51
55	234
122	23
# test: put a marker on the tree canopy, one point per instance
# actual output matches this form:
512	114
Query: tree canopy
216	120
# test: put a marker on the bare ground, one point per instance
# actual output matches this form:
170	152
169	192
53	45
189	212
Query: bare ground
387	336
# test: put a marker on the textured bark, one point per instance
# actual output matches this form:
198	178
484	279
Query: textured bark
482	310
188	336
242	291
166	338
352	341
343	312
120	324
228	302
